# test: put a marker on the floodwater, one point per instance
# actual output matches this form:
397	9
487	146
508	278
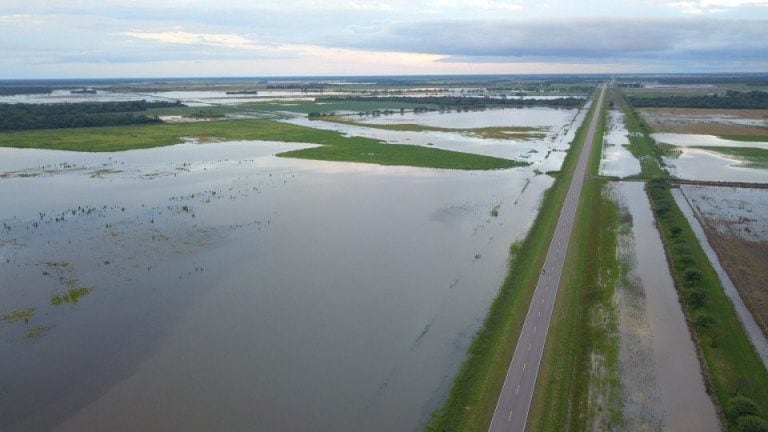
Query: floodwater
545	154
217	287
617	161
704	165
675	367
690	140
684	197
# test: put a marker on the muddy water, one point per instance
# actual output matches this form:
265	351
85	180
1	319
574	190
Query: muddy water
617	160
683	399
216	287
753	331
703	165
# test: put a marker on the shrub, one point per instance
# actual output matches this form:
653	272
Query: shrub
739	406
752	424
704	322
692	276
697	297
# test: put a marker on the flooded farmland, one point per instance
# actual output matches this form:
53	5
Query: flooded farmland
662	379
215	286
617	161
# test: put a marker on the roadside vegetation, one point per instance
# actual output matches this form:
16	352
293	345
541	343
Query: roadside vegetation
733	371
477	385
641	145
578	387
735	375
334	146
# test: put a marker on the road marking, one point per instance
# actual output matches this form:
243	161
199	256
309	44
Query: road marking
517	390
534	330
538	314
524	365
529	347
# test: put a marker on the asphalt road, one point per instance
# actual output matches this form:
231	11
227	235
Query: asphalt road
515	400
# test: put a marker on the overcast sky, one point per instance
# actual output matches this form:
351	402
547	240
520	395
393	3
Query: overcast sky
156	38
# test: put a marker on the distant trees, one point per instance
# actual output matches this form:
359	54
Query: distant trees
71	115
731	99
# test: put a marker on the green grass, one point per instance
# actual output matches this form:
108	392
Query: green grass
335	147
751	157
584	321
72	296
731	365
476	388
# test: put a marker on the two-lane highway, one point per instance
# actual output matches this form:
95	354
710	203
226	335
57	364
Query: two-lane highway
515	400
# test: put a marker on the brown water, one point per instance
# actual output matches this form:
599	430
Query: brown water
226	289
683	398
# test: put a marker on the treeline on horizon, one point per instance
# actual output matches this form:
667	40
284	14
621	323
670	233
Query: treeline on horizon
15	117
461	101
731	99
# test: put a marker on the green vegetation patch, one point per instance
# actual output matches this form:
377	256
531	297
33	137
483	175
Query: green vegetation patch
37	332
732	367
18	316
731	99
751	157
745	138
335	147
72	296
477	385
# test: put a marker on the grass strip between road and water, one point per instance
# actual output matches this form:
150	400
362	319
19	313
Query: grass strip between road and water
334	146
578	383
732	368
641	145
476	388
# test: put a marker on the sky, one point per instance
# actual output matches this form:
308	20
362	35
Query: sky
203	38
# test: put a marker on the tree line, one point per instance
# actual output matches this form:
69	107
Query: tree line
731	99
72	115
461	101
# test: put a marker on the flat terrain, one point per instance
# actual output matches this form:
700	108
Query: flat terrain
334	146
514	402
718	122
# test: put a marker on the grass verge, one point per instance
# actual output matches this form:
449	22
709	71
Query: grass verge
335	147
732	367
745	138
477	385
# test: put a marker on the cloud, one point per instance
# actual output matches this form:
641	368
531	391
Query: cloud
590	40
712	6
227	40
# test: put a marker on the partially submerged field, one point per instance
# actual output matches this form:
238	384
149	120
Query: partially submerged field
717	122
736	224
334	146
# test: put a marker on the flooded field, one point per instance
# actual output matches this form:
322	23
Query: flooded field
660	372
704	165
215	286
707	121
545	154
735	222
697	140
617	161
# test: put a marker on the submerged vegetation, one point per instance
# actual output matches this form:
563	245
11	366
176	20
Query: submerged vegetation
463	101
334	146
750	157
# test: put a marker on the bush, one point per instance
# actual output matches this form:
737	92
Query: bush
692	276
697	297
739	406
752	424
704	322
